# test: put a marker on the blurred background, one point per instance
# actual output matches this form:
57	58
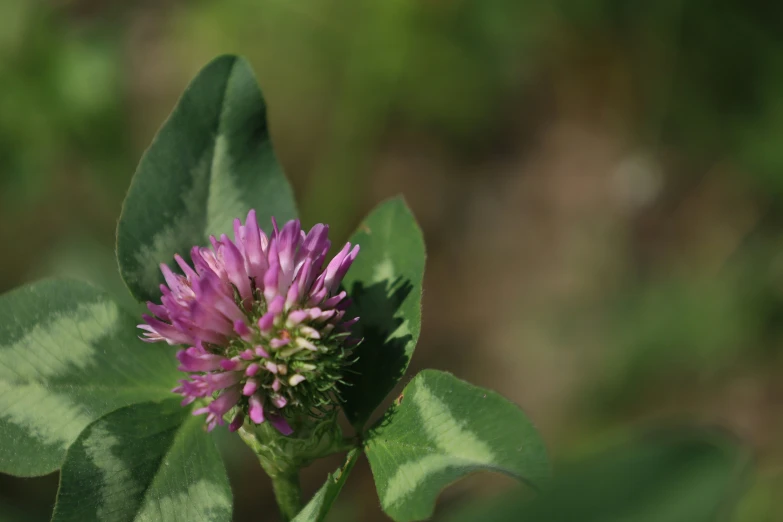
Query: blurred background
600	185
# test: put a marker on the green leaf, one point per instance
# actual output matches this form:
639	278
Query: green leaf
318	507
440	429
211	162
68	355
385	283
86	259
147	462
682	479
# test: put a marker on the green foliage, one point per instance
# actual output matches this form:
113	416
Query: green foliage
76	383
85	259
708	76
682	479
146	462
441	429
668	328
61	104
210	163
68	355
318	507
385	284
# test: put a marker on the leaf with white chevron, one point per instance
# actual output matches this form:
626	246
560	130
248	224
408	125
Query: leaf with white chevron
440	429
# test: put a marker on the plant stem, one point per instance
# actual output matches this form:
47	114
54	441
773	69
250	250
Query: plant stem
282	457
288	493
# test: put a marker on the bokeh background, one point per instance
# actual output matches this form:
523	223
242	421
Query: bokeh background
600	185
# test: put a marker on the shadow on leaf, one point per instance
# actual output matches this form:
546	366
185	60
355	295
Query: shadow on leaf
384	353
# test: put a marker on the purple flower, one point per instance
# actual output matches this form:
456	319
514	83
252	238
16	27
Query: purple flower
264	322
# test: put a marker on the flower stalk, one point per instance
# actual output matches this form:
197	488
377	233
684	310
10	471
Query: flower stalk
282	457
288	494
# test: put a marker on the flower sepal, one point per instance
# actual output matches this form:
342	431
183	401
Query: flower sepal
312	439
282	456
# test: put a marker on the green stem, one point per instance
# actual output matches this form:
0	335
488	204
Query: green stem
282	457
288	493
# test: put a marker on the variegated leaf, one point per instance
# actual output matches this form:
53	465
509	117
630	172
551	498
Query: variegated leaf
385	283
440	429
144	463
68	355
318	507
211	162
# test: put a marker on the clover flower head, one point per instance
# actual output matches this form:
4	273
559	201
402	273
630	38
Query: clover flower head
264	323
